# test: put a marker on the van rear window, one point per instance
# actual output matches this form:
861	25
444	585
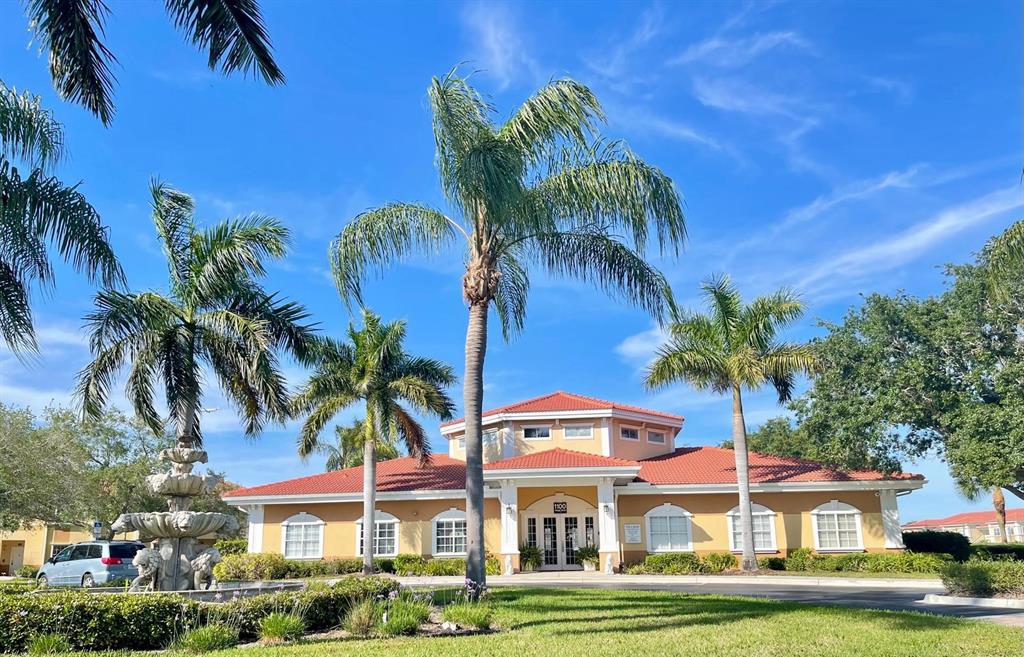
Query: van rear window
124	551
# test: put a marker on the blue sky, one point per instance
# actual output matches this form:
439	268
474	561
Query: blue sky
836	148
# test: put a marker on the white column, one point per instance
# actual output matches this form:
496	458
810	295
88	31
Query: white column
509	498
508	441
255	528
608	523
606	436
891	519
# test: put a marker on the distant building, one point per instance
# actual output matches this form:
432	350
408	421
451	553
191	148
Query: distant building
978	526
34	545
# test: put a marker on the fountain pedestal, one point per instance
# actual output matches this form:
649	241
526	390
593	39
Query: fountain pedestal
177	562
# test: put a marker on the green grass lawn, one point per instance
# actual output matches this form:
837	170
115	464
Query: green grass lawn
594	623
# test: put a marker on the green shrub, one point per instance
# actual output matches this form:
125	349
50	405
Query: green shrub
588	553
529	557
717	562
16	587
256	567
952	543
672	563
228	546
403	617
772	563
418	565
48	644
469	614
410	564
799	559
1004	578
996	551
803	560
215	636
361	618
27	572
280	626
382	565
153	621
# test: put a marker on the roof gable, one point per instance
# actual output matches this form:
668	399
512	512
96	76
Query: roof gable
561	401
559	459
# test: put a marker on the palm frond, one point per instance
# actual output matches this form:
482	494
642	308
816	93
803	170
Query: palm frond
28	132
16	325
760	321
676	362
1006	254
423	395
726	304
562	110
71	32
233	250
412	433
383	236
173	216
602	261
233	33
513	291
460	116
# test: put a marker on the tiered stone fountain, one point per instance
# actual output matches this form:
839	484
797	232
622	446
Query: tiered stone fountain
176	562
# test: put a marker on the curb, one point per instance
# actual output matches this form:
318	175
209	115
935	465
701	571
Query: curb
993	603
631	581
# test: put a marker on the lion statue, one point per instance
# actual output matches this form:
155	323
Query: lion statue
202	569
147	561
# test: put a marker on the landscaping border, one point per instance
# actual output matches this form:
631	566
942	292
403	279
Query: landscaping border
992	603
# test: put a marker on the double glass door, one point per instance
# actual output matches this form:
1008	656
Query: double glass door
559	536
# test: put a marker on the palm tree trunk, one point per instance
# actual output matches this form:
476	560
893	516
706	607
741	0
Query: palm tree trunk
472	395
999	502
369	502
748	561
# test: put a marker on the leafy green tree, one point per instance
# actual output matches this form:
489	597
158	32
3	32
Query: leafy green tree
374	369
215	315
541	190
347	450
733	348
37	210
1007	255
71	31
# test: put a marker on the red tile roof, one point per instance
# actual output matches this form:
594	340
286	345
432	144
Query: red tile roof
402	474
566	401
686	465
968	518
715	465
559	458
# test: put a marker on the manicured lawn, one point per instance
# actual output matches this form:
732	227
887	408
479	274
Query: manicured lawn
593	623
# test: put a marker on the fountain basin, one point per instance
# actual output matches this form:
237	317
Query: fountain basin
177	524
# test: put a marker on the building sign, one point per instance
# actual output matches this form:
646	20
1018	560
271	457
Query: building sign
561	507
632	533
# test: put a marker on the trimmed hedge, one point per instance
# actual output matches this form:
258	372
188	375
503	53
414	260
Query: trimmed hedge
683	563
152	621
804	560
232	546
256	567
419	565
951	543
1003	578
998	551
16	586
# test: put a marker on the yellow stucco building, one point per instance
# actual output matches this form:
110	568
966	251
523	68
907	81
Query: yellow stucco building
564	471
34	545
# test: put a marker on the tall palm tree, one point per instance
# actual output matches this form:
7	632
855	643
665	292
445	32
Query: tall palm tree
348	450
373	368
543	190
215	315
71	31
731	349
36	210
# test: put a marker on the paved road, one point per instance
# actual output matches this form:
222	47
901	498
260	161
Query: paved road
892	597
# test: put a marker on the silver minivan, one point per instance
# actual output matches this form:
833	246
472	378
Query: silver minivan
93	563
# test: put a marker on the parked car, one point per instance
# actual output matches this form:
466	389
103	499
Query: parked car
93	563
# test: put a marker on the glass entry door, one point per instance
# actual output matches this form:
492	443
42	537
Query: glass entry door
561	536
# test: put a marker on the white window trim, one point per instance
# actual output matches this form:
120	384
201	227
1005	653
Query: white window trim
298	519
536	426
756	510
462	441
629	426
379	518
664	437
837	507
670	510
590	436
453	513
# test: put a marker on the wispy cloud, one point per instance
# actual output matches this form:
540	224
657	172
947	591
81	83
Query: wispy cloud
729	52
613	64
736	95
890	253
643	122
499	48
858	190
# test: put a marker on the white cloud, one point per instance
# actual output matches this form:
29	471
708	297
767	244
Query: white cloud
499	47
613	63
858	190
640	121
734	95
733	52
639	349
888	254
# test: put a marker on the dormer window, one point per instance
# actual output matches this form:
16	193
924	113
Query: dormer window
536	433
629	433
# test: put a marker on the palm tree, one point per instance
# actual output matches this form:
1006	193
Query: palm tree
731	349
1006	255
36	210
373	368
348	451
542	189
71	31
215	315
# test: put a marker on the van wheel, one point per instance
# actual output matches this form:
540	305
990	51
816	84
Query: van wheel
87	581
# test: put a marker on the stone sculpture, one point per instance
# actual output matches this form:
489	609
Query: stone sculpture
202	569
147	562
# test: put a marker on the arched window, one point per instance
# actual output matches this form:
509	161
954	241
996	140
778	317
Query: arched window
450	533
837	527
302	537
764	529
668	529
385	535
